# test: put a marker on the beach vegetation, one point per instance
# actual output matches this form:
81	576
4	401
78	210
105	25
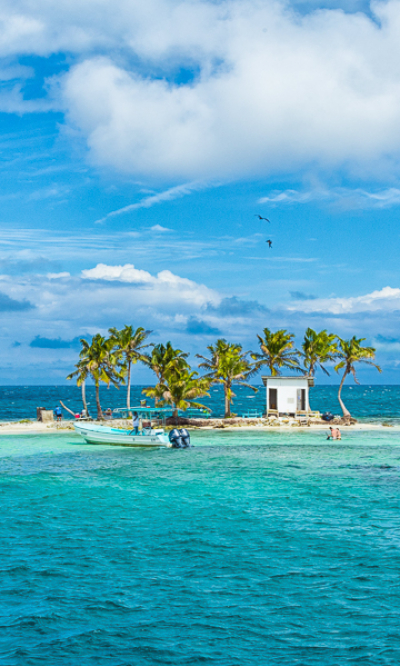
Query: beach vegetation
99	360
318	349
111	360
277	352
162	361
351	352
180	389
81	373
228	365
129	344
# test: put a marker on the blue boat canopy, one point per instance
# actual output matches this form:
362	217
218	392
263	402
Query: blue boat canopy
163	412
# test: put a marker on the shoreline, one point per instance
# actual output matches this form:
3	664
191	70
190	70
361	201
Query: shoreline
36	427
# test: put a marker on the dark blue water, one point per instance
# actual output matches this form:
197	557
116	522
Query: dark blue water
364	402
251	548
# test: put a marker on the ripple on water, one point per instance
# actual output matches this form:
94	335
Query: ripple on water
265	548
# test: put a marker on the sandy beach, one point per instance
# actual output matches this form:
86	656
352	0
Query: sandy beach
18	428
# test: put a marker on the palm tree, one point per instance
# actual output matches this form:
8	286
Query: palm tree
318	348
99	360
277	352
162	360
130	344
81	373
180	388
228	365
351	352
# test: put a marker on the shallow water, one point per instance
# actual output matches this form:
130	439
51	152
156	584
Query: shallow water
271	548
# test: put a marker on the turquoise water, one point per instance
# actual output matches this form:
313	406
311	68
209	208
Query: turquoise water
251	548
375	403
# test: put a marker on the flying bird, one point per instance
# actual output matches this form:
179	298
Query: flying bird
269	243
262	218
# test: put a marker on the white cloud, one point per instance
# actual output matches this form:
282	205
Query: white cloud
158	228
12	101
294	196
273	90
168	195
50	192
58	276
289	91
385	300
165	287
356	198
176	308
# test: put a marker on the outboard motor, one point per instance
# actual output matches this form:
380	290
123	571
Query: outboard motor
328	416
180	439
185	438
176	439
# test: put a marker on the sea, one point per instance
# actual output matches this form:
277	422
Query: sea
366	403
251	548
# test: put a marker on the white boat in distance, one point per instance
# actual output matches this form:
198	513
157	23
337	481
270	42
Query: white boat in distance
98	434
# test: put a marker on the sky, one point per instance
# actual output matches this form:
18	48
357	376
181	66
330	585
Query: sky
140	141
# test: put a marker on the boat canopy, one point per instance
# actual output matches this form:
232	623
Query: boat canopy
162	412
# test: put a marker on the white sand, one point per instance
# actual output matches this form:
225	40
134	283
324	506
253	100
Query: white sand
17	428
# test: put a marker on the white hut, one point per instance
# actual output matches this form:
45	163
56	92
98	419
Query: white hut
287	395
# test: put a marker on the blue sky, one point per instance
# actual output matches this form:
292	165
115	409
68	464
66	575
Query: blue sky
139	142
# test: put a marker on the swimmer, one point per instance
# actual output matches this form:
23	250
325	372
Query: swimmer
335	433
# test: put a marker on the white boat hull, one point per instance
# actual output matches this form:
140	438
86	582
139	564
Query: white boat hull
96	434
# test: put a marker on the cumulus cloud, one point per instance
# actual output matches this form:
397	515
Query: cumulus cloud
386	299
268	89
12	101
65	308
287	91
59	310
164	286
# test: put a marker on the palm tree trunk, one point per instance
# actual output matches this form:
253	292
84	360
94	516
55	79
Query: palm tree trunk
99	412
159	381
128	391
343	406
83	386
227	403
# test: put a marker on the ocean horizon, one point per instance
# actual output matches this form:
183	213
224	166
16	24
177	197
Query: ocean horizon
374	403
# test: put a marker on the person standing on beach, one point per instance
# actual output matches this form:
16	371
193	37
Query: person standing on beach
58	413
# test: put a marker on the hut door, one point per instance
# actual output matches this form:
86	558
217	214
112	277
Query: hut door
273	398
301	400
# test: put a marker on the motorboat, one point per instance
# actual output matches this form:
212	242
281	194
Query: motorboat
99	434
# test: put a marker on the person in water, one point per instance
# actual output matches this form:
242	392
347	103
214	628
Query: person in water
135	423
335	433
58	413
